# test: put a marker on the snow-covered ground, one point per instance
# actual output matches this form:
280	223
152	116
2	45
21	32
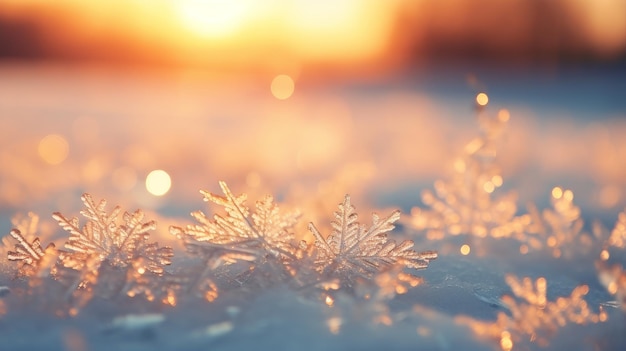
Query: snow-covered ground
383	143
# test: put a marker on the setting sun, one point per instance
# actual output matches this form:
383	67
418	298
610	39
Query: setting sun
213	18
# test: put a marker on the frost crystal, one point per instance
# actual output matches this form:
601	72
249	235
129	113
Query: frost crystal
30	255
104	253
465	204
354	251
556	228
263	240
532	315
468	203
33	259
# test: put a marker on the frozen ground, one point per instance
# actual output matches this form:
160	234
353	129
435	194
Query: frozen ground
278	318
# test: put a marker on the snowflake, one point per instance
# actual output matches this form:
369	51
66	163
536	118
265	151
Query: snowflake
33	260
264	239
532	315
465	204
354	251
558	228
105	254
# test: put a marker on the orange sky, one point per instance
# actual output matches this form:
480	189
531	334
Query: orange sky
293	33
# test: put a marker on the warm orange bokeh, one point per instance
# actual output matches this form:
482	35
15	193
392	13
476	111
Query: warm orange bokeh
243	33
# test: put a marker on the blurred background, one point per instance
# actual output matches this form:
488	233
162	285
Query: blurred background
359	38
144	102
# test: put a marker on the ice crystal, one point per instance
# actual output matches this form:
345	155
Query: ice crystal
355	251
466	203
264	240
532	315
558	227
618	234
107	254
31	257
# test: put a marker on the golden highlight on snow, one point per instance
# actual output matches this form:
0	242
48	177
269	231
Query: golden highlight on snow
282	87
354	270
158	182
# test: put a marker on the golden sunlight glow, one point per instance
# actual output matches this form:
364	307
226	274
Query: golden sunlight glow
170	300
604	255
504	115
158	182
557	193
211	295
53	149
214	18
497	180
329	300
604	22
465	250
482	99
488	187
344	30
321	29
401	289
282	87
505	341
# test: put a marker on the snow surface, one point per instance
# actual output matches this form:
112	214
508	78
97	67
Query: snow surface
279	318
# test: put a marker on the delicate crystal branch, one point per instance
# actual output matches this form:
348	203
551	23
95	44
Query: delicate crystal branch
532	315
103	253
262	239
354	251
32	258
